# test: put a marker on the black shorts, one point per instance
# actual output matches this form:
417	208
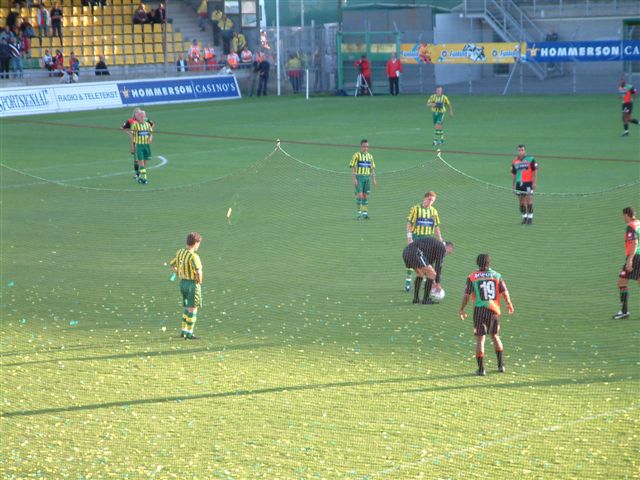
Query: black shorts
485	322
413	257
627	107
525	188
634	274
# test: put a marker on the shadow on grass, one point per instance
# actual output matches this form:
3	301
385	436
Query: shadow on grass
156	353
480	384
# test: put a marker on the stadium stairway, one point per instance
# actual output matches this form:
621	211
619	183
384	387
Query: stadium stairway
185	20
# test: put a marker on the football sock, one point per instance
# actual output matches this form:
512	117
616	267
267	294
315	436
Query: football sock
480	360
191	320
624	296
499	355
428	283
523	211
416	288
530	211
408	279
626	127
365	207
438	135
183	329
143	173
136	168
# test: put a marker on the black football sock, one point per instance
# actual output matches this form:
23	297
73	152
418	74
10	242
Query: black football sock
480	360
416	288
499	355
427	288
624	296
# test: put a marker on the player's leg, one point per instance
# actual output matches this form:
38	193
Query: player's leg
625	120
366	189
497	346
136	167
359	196
184	292
407	280
428	284
480	355
192	309
623	286
529	201
523	207
144	155
416	289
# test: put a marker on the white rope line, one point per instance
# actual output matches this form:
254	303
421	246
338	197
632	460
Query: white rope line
63	182
509	439
501	187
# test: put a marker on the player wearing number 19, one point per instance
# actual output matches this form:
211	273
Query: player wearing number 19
486	286
188	266
363	172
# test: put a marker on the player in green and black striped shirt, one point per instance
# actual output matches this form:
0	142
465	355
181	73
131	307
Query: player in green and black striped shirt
188	266
142	136
423	221
439	103
363	172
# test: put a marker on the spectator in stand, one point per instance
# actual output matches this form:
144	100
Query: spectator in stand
58	63
293	68
394	69
140	15
317	70
25	43
203	14
101	67
56	21
158	16
5	57
47	62
74	63
216	16
194	57
12	20
181	64
44	22
238	42
210	61
69	76
233	60
246	57
26	28
16	57
226	30
263	74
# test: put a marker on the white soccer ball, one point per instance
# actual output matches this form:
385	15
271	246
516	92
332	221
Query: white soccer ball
437	294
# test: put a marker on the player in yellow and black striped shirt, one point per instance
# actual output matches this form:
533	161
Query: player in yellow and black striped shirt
188	266
363	172
439	103
142	136
423	221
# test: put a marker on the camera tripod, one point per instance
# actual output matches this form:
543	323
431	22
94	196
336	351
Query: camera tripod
362	86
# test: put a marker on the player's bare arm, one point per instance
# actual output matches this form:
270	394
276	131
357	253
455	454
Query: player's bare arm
465	299
628	266
507	299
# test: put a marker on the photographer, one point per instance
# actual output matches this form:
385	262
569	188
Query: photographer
364	68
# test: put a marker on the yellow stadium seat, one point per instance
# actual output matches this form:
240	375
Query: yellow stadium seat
107	30
148	48
118	60
157	37
128	38
107	50
159	57
137	29
128	50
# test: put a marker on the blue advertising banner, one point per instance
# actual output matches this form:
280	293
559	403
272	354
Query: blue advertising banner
179	90
599	51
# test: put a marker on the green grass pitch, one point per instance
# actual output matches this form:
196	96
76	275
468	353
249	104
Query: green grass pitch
312	362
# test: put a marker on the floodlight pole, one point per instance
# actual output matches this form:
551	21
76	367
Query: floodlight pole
278	46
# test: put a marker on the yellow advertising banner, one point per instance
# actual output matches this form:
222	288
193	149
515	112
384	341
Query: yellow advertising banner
461	53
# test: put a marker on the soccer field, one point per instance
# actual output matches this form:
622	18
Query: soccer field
312	361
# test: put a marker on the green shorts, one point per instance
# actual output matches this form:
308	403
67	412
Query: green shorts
363	184
143	151
191	293
438	117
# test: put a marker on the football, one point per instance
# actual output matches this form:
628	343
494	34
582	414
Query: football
437	294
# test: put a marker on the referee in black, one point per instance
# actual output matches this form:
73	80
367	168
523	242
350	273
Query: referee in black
425	256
